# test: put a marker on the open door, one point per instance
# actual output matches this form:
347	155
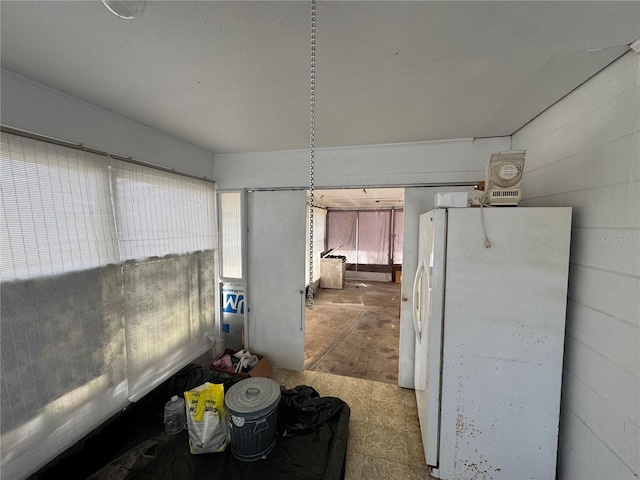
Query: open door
276	276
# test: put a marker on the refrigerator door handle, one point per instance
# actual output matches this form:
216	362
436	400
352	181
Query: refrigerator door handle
416	312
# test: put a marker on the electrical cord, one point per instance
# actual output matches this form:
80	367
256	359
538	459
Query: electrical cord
487	242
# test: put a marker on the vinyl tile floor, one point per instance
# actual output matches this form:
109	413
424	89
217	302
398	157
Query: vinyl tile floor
384	433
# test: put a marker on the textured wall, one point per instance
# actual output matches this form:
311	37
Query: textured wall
584	152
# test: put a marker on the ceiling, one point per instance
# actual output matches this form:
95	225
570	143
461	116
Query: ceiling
359	198
235	76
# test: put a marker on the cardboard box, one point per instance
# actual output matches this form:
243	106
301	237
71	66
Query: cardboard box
262	369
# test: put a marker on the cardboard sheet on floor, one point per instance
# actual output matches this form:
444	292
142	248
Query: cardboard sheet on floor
311	444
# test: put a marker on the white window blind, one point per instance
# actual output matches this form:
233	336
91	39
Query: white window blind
164	219
107	281
230	220
56	214
160	213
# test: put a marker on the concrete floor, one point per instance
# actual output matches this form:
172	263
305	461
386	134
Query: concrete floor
355	331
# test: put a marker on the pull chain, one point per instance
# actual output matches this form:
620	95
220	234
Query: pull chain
312	141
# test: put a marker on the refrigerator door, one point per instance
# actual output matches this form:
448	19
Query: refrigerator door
418	292
430	299
420	309
503	342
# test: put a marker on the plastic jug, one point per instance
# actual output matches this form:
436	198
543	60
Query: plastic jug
175	416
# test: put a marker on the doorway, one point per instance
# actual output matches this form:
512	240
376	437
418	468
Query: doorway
353	329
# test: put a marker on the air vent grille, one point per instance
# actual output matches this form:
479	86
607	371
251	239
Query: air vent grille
504	193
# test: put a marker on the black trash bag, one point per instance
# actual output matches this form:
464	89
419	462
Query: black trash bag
193	376
302	409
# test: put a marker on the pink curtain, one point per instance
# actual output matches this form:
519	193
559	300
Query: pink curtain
398	225
363	236
373	237
341	233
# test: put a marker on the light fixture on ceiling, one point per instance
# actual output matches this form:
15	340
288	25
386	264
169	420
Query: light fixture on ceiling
127	9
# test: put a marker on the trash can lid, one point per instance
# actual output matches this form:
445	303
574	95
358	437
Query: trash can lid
256	396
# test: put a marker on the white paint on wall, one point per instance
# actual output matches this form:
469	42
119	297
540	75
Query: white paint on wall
584	152
431	163
31	106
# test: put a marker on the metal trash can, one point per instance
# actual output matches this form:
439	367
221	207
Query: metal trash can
252	409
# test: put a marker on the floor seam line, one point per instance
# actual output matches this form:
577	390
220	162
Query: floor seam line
336	341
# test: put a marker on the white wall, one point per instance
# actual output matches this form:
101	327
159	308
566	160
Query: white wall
34	107
584	152
423	163
451	161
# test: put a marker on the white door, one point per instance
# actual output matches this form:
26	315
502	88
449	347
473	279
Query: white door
275	273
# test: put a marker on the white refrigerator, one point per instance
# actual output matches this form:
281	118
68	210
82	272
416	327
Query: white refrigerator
489	307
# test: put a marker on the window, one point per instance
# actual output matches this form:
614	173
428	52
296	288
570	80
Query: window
56	214
160	213
107	278
230	219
